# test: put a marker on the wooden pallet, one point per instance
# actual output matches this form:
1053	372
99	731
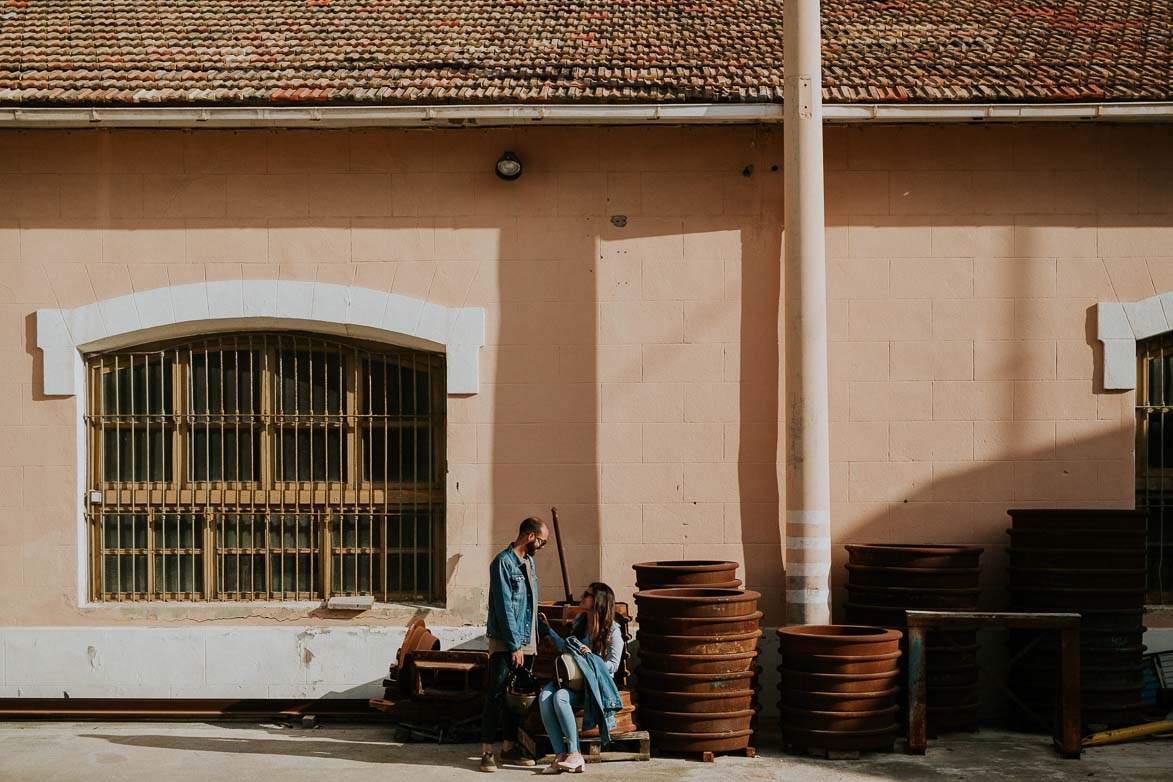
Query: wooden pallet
634	745
706	756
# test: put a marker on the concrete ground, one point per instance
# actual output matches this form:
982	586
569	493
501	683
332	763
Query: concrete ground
242	752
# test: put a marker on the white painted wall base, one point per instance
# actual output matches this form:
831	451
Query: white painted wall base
251	662
205	662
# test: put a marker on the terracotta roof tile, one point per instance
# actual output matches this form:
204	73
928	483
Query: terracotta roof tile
62	52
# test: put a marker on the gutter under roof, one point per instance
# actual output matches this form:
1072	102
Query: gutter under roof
564	114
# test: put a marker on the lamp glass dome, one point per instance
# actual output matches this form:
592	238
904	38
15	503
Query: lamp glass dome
508	166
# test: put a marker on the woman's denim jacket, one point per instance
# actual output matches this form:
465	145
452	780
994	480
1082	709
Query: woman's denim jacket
511	617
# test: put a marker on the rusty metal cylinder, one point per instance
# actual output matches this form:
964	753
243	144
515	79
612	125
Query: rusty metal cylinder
697	681
1091	562
839	687
697	663
701	683
684	573
710	722
684	702
696	603
700	644
885	580
703	627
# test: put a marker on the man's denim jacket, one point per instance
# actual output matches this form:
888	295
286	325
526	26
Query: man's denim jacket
511	617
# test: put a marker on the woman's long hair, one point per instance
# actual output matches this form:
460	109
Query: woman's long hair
601	617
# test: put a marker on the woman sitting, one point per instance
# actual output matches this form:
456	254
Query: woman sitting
595	631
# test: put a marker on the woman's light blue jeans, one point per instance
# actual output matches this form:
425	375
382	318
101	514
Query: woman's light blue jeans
557	707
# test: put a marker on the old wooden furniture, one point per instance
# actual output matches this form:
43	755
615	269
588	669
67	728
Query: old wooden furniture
1067	730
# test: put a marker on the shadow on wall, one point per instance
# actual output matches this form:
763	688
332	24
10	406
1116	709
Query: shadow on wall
613	377
617	380
619	384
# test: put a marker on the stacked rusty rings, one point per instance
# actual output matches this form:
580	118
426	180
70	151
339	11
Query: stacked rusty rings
840	687
1089	561
884	581
679	573
696	678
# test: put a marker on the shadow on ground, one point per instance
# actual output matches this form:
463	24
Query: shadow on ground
361	751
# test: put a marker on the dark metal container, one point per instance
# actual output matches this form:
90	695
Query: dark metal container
899	555
885	580
1088	561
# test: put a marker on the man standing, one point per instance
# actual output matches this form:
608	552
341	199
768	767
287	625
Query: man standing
513	636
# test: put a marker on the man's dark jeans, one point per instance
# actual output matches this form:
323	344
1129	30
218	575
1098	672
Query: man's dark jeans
500	663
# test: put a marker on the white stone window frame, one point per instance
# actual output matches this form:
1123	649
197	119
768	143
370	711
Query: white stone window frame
1120	325
66	336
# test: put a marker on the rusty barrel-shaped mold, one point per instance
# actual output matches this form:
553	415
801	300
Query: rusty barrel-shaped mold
903	598
709	722
698	683
1023	558
651	699
839	686
701	627
842	721
699	644
845	663
845	641
837	701
839	682
885	580
683	573
1068	521
1117	580
696	603
697	680
697	663
920	557
915	578
1091	562
857	740
733	584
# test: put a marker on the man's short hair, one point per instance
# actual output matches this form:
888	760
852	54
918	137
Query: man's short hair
532	524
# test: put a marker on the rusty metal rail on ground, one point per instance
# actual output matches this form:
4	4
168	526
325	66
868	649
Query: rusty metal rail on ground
1067	730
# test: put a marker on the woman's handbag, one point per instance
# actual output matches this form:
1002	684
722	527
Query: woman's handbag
567	673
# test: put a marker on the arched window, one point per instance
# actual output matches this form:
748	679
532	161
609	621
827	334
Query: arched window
266	466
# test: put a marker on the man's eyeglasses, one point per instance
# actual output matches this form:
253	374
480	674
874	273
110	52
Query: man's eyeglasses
539	542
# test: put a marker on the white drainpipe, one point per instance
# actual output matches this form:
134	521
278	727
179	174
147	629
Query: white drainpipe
804	349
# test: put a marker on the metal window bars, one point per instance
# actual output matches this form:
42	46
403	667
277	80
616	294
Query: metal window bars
1154	460
264	465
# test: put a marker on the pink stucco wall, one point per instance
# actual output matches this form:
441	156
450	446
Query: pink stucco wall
631	375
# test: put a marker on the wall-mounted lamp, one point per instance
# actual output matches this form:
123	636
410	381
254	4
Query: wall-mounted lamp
508	166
